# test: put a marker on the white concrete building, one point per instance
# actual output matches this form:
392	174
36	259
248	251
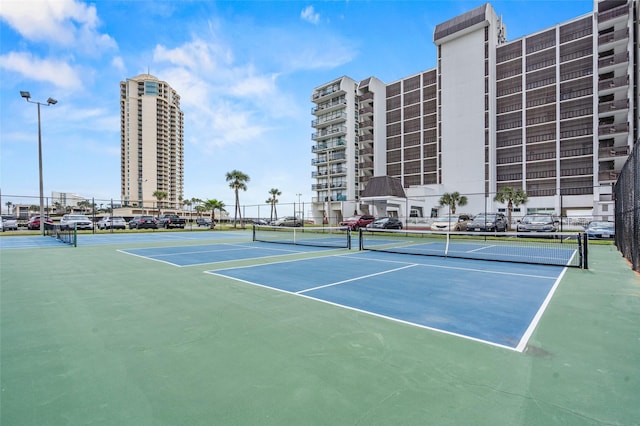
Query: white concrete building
554	113
152	143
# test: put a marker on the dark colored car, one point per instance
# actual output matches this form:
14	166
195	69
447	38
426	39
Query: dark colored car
600	230
356	222
385	223
488	222
204	221
539	222
143	222
34	223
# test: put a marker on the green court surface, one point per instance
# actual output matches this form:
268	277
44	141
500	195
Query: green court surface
90	335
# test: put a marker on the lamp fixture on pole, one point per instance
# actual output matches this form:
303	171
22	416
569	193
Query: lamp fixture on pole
50	101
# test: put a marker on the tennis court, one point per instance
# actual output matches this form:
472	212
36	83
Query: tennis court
495	304
173	328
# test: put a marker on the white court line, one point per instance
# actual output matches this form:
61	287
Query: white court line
536	319
356	279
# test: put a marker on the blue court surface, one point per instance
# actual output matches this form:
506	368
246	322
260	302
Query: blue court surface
214	253
491	302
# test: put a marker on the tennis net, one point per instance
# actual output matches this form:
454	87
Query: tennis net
562	249
317	237
65	235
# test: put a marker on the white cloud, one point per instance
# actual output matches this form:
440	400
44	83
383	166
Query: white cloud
56	72
308	14
118	63
66	23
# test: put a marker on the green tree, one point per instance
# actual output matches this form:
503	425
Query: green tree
513	197
9	204
213	205
160	195
237	181
273	200
453	200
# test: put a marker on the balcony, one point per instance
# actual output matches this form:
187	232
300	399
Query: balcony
319	174
319	147
613	13
619	35
613	83
328	132
613	106
611	152
576	152
341	116
608	175
325	107
576	171
610	129
317	161
617	59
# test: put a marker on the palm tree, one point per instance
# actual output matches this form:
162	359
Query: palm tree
274	192
237	180
160	195
513	197
453	200
213	205
9	204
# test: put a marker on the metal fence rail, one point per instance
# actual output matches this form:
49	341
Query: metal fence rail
627	210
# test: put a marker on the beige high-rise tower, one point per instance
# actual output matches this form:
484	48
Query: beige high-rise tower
152	143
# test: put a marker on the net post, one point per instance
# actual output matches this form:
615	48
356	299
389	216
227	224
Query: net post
75	236
253	232
348	238
360	238
585	251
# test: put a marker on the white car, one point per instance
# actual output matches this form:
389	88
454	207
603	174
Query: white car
453	222
77	221
9	223
112	222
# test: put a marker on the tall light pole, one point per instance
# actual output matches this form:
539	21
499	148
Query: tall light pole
50	101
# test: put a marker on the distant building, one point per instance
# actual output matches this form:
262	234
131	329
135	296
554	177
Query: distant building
555	113
152	143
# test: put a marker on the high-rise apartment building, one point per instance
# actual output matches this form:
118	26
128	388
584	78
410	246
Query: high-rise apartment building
554	113
152	143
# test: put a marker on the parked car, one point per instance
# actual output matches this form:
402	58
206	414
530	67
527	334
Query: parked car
488	222
167	221
79	221
9	223
287	221
385	223
112	222
539	222
204	221
356	222
143	222
34	223
454	223
600	230
260	222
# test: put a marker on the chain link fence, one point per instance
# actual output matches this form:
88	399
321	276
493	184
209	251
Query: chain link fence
627	210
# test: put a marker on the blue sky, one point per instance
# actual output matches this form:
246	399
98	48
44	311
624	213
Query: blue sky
245	71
